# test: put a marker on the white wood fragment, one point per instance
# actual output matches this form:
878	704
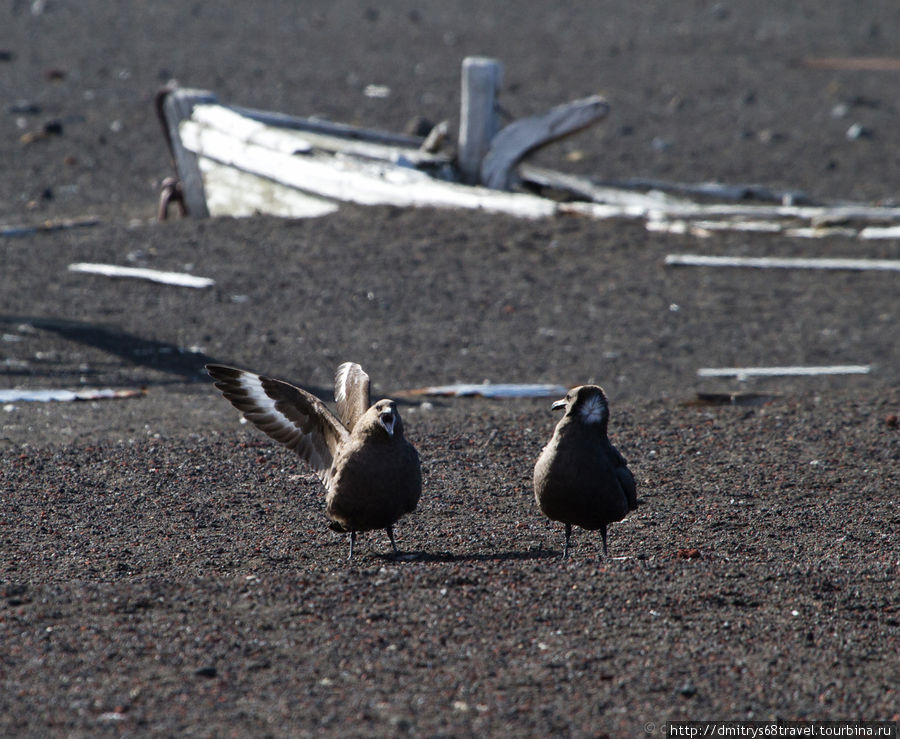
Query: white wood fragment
489	390
250	131
880	232
701	260
743	373
179	279
234	193
44	395
331	137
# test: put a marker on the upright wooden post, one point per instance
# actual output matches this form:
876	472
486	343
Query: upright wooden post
478	120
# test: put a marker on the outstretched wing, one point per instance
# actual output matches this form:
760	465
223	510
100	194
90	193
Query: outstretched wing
351	393
288	414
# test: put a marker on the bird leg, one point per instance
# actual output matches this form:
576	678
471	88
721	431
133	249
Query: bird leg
568	535
352	541
603	534
390	533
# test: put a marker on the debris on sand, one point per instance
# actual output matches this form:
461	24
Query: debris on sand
702	260
179	279
490	390
44	395
742	373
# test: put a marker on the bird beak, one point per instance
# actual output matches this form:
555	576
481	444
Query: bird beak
387	422
558	404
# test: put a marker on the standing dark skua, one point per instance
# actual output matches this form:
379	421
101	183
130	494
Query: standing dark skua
580	478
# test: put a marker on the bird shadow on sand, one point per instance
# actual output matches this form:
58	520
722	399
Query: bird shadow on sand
510	556
185	364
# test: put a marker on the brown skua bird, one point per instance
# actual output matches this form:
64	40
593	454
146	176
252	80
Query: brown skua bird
371	473
580	478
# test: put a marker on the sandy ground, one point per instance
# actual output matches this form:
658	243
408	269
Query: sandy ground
167	570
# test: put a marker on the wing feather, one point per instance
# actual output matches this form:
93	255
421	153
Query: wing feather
351	393
288	414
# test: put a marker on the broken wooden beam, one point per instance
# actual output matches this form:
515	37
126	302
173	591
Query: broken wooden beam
488	390
701	260
743	373
478	119
526	135
174	106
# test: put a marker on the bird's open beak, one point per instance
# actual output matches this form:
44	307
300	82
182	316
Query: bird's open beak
387	422
558	404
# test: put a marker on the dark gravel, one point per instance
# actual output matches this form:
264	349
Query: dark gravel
168	571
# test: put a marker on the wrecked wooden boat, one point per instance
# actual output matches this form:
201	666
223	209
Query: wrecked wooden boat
237	161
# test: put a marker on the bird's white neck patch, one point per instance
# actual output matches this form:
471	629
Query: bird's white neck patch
593	410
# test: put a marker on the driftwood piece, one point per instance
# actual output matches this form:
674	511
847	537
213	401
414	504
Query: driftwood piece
45	395
701	260
478	119
520	138
489	390
743	373
704	228
179	279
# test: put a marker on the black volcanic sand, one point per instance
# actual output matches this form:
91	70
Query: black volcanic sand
169	571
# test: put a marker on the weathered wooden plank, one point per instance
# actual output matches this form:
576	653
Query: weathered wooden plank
47	395
327	137
816	215
527	134
587	189
478	119
178	279
235	193
880	232
701	260
355	180
743	373
704	228
489	390
329	128
717	190
173	107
